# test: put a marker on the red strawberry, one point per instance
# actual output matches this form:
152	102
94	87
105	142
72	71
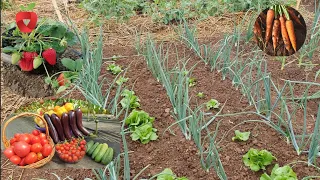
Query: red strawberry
50	56
26	63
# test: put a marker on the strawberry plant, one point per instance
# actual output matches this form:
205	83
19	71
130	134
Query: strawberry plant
242	136
42	45
278	173
257	160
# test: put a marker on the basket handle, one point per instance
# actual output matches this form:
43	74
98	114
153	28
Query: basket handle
4	138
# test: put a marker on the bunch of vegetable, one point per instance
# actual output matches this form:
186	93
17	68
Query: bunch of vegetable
28	148
58	110
99	152
279	28
66	126
71	151
141	127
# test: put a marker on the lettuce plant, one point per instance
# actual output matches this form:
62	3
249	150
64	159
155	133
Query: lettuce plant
137	118
129	100
257	160
280	173
242	136
144	133
167	174
115	69
212	104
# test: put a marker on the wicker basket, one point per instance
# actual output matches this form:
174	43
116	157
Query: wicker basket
6	142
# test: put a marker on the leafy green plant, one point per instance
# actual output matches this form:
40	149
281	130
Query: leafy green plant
242	136
121	80
129	99
115	69
200	94
257	160
145	133
212	104
279	173
192	82
137	118
167	174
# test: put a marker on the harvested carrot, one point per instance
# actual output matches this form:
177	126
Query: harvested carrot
257	31
293	16
275	33
290	29
269	22
284	33
292	36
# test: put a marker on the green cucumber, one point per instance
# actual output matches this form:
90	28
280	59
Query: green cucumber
93	148
95	152
89	145
107	157
102	151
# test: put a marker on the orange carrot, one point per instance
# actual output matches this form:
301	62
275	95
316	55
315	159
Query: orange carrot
257	31
293	16
284	33
292	36
269	22
275	33
290	29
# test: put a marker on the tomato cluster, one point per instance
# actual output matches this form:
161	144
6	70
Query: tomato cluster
72	151
28	148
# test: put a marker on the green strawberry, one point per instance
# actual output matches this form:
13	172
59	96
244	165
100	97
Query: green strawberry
37	62
15	57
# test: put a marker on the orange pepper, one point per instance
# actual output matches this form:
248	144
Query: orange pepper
56	108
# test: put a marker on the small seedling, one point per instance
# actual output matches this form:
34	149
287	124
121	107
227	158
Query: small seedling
257	160
115	69
200	94
167	174
212	104
192	82
242	136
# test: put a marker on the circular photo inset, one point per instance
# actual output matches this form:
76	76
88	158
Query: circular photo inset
280	30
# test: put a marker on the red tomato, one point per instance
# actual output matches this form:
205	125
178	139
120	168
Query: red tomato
17	135
24	138
15	159
43	136
47	149
36	132
35	139
13	140
37	147
22	163
21	148
30	136
31	158
8	152
44	141
40	156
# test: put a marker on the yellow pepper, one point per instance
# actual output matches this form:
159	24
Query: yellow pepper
60	111
37	120
69	106
50	112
